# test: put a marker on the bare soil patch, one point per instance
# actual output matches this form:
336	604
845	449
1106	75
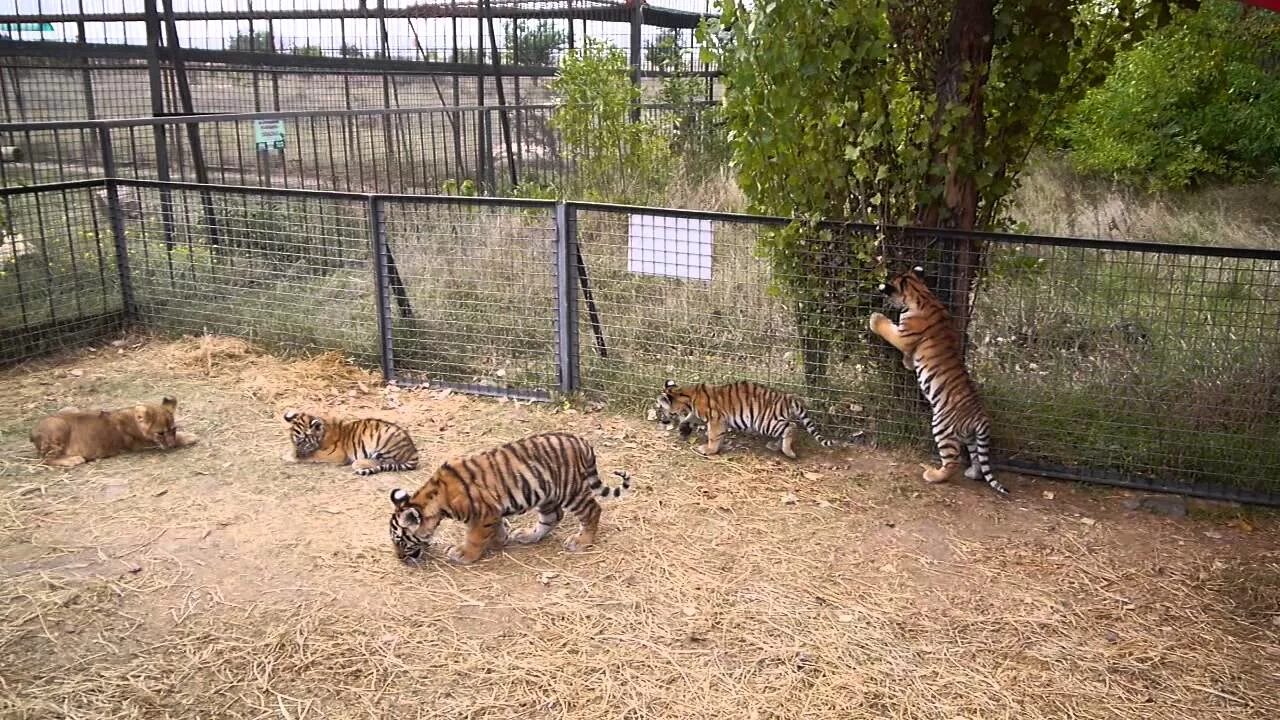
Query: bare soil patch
217	581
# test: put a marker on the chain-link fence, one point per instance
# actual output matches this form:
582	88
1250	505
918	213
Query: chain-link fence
1134	364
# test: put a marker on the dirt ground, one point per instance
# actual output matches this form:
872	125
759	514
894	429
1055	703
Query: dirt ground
217	581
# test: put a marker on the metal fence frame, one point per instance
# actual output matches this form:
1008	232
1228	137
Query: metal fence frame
412	149
571	285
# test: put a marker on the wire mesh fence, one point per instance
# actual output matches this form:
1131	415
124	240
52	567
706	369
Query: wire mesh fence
467	151
74	60
476	304
1128	363
287	271
59	280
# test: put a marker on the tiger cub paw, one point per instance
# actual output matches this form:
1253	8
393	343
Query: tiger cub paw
459	555
185	439
973	472
938	475
525	536
364	466
877	320
578	543
502	533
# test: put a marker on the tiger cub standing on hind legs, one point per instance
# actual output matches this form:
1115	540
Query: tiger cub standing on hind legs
933	348
368	445
742	406
552	472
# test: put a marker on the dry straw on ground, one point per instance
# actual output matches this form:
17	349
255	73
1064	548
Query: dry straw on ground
217	582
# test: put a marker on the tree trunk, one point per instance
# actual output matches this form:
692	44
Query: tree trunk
961	80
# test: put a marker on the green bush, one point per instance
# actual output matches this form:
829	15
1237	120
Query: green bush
1193	103
533	43
615	159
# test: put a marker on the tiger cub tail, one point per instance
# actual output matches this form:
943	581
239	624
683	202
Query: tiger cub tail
980	459
606	491
802	415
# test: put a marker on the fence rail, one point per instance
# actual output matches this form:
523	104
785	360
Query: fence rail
1132	364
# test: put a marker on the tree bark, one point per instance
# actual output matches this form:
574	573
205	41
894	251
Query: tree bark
961	81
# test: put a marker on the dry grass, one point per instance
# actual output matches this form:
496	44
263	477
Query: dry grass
217	582
1055	201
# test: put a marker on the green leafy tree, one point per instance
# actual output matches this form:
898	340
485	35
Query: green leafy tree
260	41
1197	101
664	51
307	51
897	111
533	43
615	159
696	133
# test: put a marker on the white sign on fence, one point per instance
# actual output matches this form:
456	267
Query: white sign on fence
268	134
670	246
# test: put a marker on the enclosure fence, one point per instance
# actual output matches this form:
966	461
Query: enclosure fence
457	150
1139	365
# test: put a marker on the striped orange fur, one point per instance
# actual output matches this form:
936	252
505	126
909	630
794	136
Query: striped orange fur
551	473
741	406
934	349
369	445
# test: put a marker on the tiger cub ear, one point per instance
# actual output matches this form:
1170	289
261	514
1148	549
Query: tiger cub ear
669	384
399	498
289	415
169	403
918	271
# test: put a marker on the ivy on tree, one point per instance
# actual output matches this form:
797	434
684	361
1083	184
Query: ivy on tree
897	112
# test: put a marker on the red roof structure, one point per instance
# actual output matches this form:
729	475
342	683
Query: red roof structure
1272	5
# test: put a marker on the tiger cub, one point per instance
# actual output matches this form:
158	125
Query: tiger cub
552	472
933	348
741	406
369	445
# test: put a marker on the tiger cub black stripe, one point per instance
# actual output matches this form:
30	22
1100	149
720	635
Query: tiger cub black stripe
934	350
369	445
550	473
739	406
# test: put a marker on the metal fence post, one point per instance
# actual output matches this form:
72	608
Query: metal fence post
566	325
116	219
381	281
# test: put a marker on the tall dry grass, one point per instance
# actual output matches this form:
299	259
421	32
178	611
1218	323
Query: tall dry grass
1054	200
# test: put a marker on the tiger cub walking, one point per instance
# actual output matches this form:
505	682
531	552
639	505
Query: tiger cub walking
368	445
933	348
552	472
740	406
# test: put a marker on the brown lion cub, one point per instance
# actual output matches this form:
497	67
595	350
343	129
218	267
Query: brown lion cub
73	437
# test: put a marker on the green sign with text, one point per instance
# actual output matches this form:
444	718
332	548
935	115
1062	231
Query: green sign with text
26	27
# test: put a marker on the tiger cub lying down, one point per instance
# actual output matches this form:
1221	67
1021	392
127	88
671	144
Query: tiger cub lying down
742	406
368	445
550	472
72	436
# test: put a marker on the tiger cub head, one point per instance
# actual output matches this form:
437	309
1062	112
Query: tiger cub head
306	431
412	524
904	289
675	404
